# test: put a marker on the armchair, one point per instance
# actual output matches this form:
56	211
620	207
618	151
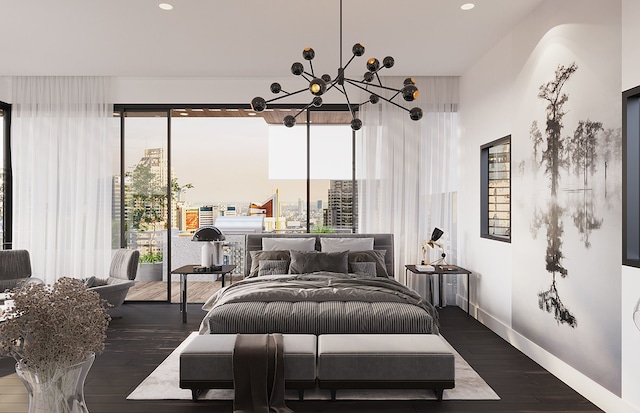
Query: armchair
122	273
15	268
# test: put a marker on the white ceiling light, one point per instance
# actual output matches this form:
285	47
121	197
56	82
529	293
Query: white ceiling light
467	6
165	6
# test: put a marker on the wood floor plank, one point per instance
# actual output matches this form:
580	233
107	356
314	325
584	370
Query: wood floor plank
148	332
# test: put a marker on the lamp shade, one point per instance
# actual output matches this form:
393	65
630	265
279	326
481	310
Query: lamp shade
436	234
208	233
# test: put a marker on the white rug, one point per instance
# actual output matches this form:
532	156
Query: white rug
163	384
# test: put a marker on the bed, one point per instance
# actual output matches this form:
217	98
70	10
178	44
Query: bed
318	284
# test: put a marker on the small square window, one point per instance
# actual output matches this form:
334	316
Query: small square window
495	173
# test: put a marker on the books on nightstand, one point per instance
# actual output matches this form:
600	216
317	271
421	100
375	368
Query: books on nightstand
421	267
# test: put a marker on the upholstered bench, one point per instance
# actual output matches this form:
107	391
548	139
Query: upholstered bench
207	363
369	361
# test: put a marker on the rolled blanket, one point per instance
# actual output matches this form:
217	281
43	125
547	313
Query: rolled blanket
258	374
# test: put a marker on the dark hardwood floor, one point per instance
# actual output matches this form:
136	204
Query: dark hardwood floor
148	332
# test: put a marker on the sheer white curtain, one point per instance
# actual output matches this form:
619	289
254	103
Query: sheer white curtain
62	135
407	171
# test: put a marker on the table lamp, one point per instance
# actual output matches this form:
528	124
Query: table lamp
212	248
435	236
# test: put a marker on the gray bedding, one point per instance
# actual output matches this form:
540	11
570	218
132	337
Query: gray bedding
318	303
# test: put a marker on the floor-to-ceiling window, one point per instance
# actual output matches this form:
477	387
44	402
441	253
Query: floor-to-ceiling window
145	161
225	165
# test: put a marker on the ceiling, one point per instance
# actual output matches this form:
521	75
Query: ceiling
232	38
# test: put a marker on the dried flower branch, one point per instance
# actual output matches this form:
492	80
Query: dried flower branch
53	326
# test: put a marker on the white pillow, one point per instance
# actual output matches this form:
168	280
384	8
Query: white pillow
343	244
297	244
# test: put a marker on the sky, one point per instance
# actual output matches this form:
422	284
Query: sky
244	159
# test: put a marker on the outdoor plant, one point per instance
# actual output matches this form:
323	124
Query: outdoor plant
147	205
151	257
53	326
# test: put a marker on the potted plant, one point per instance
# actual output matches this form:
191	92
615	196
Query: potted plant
150	267
54	332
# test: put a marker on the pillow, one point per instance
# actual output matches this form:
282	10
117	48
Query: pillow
257	256
376	256
272	267
303	262
298	244
331	244
365	269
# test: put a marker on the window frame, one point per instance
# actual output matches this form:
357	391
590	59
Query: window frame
7	210
484	189
631	177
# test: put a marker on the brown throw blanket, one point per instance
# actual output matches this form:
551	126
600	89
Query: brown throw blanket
258	374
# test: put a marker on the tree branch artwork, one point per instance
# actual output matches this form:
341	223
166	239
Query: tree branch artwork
557	156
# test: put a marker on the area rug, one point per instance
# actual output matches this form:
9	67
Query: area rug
163	384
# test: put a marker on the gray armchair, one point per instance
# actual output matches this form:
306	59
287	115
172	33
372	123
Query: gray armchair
122	273
15	268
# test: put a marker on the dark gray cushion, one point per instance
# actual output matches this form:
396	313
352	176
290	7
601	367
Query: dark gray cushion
273	267
257	256
366	269
376	256
304	262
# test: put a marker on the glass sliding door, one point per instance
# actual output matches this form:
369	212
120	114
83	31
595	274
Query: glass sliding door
229	167
146	208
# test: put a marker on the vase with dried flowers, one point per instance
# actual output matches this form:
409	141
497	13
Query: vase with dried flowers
54	332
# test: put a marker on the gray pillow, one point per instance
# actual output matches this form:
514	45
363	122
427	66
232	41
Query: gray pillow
303	262
272	267
365	269
257	256
376	256
337	244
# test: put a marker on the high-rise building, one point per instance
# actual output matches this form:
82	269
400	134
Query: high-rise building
342	206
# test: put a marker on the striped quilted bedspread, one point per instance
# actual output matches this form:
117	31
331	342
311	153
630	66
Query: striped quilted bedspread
318	303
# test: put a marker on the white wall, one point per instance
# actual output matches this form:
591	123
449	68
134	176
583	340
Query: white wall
493	94
485	99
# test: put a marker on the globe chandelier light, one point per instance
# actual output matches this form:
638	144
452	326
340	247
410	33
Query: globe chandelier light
318	86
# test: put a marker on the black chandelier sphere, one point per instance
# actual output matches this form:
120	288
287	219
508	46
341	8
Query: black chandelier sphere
318	86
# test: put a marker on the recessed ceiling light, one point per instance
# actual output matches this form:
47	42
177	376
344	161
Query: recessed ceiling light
165	6
467	6
251	113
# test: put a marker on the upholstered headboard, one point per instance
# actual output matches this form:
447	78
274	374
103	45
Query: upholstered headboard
380	242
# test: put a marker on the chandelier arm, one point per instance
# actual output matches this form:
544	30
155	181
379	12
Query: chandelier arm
311	66
287	95
302	110
381	97
346	96
348	63
362	82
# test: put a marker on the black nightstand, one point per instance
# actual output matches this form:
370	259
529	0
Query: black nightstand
185	270
439	270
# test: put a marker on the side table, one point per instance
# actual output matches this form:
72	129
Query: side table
184	271
440	270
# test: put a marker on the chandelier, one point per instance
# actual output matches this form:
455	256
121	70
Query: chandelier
369	83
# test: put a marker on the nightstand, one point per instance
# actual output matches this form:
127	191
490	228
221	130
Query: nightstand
440	270
185	270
